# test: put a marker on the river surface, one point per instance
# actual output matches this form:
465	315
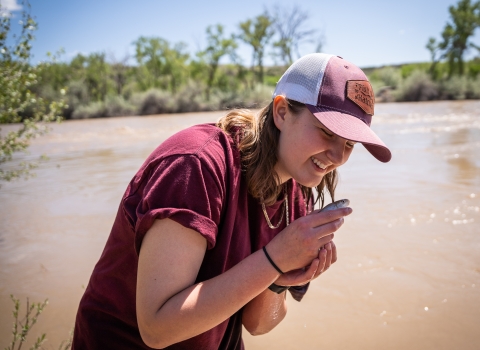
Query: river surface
408	274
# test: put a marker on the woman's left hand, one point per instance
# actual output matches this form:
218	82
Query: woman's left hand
327	255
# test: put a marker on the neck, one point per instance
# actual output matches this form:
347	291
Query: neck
282	175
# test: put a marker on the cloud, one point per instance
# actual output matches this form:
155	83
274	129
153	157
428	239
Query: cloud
8	6
402	31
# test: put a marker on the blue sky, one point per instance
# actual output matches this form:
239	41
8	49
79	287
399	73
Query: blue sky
367	33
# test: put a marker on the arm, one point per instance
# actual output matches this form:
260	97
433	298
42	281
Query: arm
264	312
170	308
268	309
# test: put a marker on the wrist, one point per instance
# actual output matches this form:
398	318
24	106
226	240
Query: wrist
270	260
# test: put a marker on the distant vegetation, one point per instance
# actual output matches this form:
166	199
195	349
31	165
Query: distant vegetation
447	76
165	77
415	82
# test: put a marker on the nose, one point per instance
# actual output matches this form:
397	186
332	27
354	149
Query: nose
337	152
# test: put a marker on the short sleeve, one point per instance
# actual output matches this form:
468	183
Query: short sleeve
182	189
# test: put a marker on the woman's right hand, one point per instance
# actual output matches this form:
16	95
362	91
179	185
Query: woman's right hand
299	243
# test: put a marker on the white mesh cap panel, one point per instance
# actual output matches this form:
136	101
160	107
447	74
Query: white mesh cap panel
302	80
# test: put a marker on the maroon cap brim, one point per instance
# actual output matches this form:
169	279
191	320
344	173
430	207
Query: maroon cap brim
352	128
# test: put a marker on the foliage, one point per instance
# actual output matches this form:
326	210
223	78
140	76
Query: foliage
19	103
413	82
113	106
257	33
160	65
464	20
218	46
417	87
21	327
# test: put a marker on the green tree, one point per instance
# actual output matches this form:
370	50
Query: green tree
96	75
93	71
257	33
218	46
119	73
464	20
161	64
18	103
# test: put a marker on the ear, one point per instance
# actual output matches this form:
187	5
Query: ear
280	110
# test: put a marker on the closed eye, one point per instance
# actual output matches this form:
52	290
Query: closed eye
326	132
350	144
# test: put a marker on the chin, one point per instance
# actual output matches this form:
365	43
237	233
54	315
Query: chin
309	182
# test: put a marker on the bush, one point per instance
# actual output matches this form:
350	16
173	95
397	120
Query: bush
153	101
388	76
257	97
190	99
92	110
117	106
473	88
113	106
454	88
417	87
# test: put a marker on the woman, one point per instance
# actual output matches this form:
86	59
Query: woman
215	226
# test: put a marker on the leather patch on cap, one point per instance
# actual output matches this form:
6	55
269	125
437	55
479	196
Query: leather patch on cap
361	93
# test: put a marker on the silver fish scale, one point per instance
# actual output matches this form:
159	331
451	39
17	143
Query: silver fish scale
342	203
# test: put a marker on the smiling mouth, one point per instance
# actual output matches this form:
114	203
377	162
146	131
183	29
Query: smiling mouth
318	163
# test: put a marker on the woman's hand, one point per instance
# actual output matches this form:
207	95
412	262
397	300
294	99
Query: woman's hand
327	255
299	245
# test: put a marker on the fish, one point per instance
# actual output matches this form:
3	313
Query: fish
342	203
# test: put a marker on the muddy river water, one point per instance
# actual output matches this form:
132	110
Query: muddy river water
408	274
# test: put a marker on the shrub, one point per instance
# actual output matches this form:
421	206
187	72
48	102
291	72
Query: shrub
454	88
77	95
473	88
190	99
113	106
257	97
92	110
388	76
153	101
116	106
417	87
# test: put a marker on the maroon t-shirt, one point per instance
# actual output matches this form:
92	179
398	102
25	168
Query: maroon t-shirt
195	179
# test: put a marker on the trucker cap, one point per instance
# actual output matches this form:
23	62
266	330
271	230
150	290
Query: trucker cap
338	94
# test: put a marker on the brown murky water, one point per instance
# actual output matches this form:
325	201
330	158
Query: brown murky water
408	274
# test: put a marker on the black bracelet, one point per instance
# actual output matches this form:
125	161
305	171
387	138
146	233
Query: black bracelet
277	289
271	261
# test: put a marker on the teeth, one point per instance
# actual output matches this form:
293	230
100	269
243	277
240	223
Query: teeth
319	164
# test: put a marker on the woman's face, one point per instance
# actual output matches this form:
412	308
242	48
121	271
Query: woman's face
307	150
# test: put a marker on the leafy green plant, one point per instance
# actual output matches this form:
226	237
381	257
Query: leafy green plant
18	102
22	326
464	20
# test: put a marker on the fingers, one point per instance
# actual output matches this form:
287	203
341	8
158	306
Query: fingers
334	253
328	262
317	218
327	255
328	228
322	257
312	269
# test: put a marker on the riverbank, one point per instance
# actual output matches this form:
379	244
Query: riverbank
408	271
389	84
